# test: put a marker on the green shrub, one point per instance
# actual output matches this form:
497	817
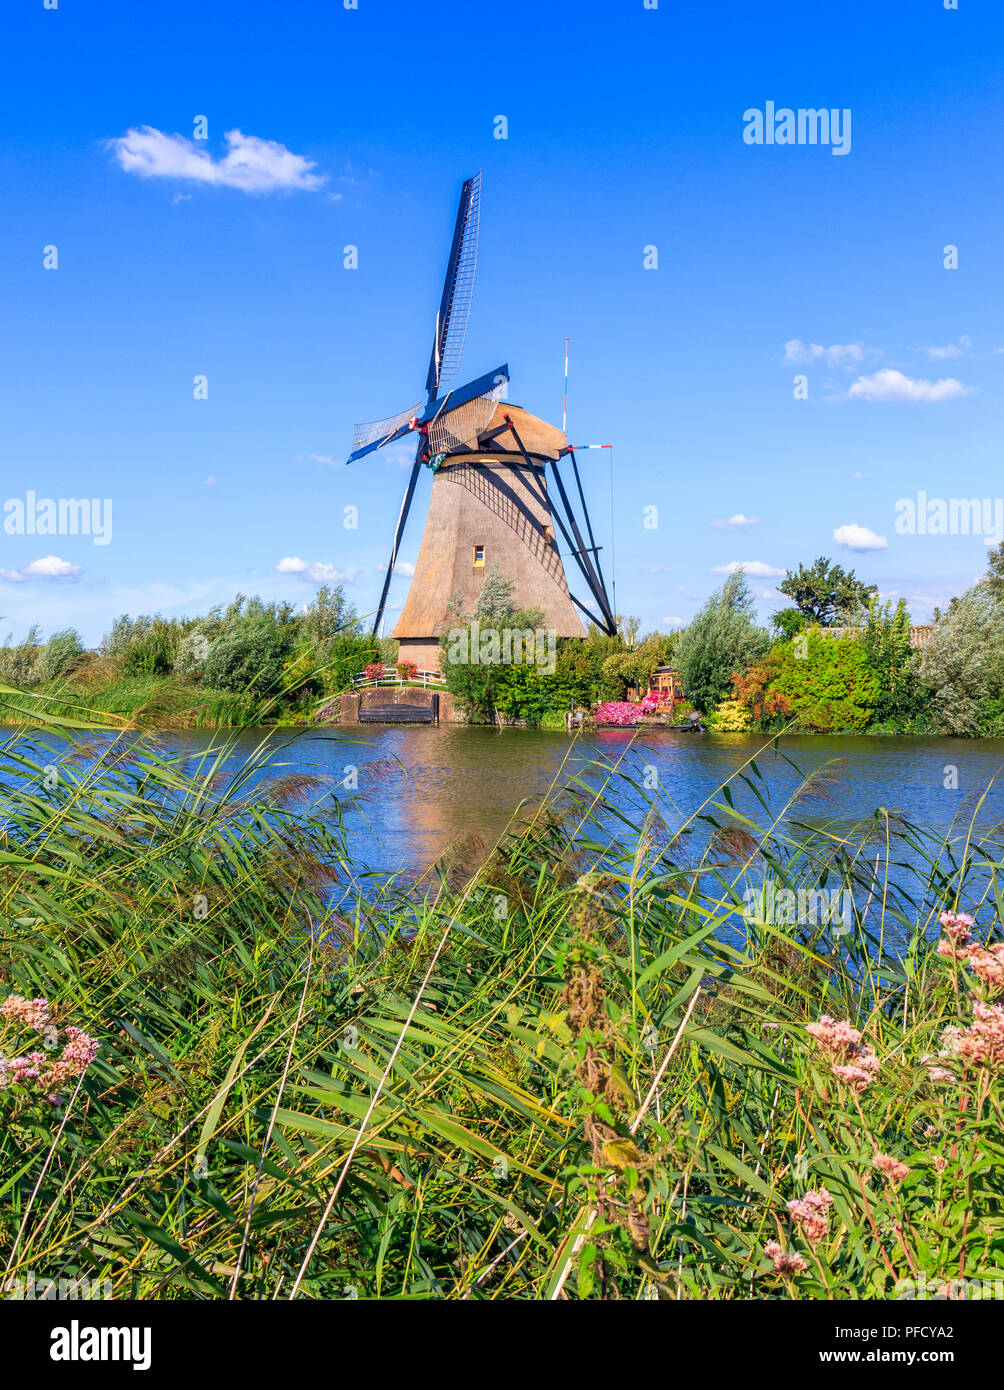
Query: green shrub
828	683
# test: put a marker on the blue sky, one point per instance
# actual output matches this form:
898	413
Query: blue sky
625	131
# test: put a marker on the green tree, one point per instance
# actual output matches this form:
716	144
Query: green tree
903	702
59	655
963	663
18	664
329	615
723	638
826	593
788	622
472	669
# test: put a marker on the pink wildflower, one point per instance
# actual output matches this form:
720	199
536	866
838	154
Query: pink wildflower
33	1013
833	1037
811	1214
982	1043
852	1061
934	1071
26	1068
47	1073
784	1263
891	1167
79	1052
956	926
987	964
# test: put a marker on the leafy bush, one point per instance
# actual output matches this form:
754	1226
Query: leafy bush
765	706
730	717
144	646
192	652
634	668
829	688
788	623
903	702
18	663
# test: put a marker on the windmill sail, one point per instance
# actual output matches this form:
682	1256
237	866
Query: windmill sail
374	433
458	290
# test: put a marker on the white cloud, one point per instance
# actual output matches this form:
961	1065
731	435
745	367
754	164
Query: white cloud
674	622
736	523
209	482
48	567
838	355
325	458
857	475
250	164
404	567
855	537
890	385
315	571
756	568
958	349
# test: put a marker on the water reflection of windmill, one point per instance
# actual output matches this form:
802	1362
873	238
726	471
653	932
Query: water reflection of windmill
490	503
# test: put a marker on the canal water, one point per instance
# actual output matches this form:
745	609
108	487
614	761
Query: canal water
408	792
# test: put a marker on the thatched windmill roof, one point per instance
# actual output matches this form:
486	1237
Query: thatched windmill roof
488	508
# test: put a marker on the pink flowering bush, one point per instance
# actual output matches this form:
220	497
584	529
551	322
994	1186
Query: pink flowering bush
407	670
621	713
375	671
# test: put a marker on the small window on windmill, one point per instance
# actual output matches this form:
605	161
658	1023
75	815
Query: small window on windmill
479	557
548	533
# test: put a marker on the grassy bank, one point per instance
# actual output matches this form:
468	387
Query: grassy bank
564	1066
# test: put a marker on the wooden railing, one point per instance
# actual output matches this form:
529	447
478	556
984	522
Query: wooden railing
425	679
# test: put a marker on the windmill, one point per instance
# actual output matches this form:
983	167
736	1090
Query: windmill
490	502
